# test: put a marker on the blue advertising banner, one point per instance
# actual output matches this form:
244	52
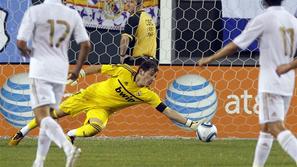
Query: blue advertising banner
236	15
11	14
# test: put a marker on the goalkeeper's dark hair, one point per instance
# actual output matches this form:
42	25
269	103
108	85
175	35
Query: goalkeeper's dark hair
139	2
148	64
273	2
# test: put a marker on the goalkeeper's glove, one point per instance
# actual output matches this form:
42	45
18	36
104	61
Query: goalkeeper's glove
194	124
74	82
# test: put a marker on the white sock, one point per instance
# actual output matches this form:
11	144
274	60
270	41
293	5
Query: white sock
288	142
25	130
55	133
42	149
71	132
263	148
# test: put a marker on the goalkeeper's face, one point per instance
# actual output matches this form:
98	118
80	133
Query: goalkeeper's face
146	78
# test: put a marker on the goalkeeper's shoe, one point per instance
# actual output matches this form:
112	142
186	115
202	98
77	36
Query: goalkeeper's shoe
16	139
71	138
73	156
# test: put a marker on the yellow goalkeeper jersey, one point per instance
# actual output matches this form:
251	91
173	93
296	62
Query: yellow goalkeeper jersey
120	90
141	30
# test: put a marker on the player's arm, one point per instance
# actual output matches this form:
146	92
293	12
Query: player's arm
23	48
125	39
84	50
251	32
128	35
84	72
82	38
229	49
25	33
177	117
92	70
284	68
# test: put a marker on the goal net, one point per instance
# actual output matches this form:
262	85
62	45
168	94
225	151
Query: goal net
225	91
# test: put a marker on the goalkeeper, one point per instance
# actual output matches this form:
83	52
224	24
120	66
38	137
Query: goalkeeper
125	87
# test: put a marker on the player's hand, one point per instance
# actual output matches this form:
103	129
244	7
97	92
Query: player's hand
205	61
282	69
194	124
122	58
26	52
73	77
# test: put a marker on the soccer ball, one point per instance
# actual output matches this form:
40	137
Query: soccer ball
206	132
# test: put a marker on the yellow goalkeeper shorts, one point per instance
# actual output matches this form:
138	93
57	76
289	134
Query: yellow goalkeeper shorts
76	104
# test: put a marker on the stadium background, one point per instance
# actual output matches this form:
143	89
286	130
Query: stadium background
198	29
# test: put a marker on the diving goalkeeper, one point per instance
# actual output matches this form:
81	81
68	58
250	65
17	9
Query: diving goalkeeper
125	87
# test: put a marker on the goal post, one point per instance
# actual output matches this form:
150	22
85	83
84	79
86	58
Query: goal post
165	32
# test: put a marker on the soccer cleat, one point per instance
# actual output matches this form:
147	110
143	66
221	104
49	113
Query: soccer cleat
16	139
70	138
72	157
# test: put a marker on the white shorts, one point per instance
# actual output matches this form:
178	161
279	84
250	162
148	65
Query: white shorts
46	93
273	107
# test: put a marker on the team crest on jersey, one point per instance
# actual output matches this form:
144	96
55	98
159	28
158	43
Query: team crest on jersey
113	8
4	38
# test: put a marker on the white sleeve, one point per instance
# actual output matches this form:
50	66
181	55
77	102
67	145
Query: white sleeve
251	32
80	32
26	27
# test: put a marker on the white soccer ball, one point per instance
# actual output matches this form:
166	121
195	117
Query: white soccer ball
206	132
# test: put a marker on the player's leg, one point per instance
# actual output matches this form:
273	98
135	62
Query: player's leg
272	116
265	139
42	151
263	147
72	152
16	138
284	136
96	121
74	105
33	124
42	96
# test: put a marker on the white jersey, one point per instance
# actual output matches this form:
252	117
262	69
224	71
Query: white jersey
277	32
50	26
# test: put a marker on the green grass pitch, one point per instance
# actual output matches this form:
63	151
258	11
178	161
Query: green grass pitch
147	153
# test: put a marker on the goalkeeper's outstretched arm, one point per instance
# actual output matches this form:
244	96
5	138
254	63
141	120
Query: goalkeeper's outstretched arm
179	118
84	72
92	70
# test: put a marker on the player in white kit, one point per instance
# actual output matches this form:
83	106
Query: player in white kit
50	25
277	30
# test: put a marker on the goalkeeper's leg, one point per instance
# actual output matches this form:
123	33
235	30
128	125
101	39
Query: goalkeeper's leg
87	130
16	138
96	121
